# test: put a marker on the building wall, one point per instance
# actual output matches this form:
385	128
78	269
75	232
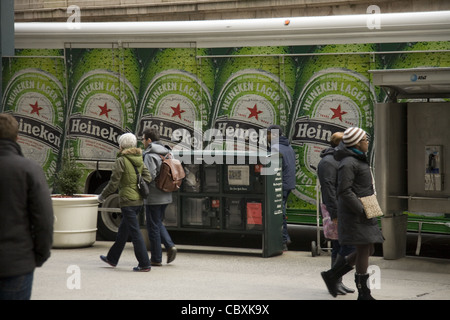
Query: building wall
167	10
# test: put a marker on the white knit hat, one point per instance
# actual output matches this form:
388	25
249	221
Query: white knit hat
353	135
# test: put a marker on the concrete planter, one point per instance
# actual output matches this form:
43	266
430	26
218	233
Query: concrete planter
75	223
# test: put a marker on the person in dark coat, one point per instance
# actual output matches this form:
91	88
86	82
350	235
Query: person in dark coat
354	181
327	173
26	215
279	143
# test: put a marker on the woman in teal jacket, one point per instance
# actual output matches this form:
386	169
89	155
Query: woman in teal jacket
124	178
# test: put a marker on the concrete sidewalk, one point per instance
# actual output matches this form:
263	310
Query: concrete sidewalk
205	273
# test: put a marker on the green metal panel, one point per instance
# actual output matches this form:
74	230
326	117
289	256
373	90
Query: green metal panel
273	242
240	193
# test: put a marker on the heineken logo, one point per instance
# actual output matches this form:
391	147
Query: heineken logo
81	126
307	130
269	90
40	131
35	108
189	90
177	111
242	131
104	110
254	112
170	131
24	83
337	113
253	95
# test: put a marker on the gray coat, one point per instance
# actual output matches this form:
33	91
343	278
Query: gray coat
153	161
354	181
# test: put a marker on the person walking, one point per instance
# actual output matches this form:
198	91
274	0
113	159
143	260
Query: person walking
327	172
279	143
124	178
26	215
354	228
157	201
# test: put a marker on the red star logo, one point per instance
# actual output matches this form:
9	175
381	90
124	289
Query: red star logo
337	113
254	112
35	108
105	110
177	111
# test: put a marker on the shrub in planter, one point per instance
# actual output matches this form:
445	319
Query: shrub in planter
75	214
67	180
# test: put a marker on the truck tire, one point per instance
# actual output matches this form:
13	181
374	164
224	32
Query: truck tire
108	222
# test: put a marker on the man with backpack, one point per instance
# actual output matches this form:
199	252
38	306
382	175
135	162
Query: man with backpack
157	201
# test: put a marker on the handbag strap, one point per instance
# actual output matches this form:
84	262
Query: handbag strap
135	170
373	181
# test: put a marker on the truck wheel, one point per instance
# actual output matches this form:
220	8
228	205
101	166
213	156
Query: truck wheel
108	222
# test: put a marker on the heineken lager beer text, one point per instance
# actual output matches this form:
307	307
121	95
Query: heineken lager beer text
252	93
34	93
103	101
333	93
177	92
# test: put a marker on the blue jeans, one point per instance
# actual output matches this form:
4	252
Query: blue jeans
157	232
16	288
129	226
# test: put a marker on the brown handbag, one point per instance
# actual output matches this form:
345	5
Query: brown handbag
371	206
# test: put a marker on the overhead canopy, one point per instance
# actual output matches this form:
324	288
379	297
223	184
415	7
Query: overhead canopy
392	28
415	82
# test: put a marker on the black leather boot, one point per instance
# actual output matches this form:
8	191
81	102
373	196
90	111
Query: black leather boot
363	289
340	287
344	288
332	276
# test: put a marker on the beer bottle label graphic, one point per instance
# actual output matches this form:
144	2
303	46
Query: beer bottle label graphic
178	93
329	100
255	92
34	94
103	102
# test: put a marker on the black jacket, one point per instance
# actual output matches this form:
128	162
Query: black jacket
354	181
26	213
327	172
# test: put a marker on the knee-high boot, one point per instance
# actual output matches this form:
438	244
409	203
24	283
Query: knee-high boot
342	288
363	289
332	276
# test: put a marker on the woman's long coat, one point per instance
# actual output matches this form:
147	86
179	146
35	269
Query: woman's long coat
354	181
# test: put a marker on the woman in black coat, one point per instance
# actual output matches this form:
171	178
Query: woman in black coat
354	181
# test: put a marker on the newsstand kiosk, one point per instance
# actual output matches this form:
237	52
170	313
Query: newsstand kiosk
412	152
230	192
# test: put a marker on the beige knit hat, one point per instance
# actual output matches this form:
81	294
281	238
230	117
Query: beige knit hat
353	135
